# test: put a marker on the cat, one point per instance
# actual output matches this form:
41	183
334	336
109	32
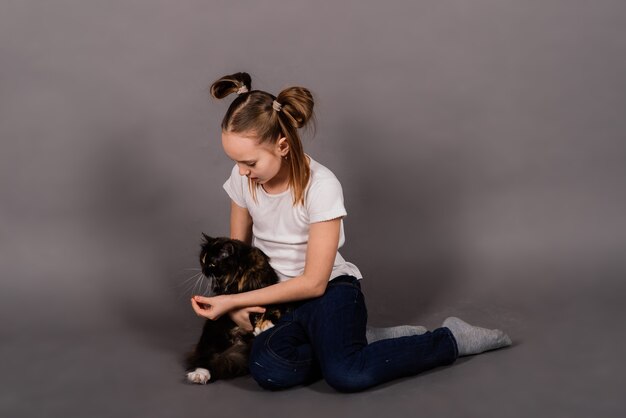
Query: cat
223	349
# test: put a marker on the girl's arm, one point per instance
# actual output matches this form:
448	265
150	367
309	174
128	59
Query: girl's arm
241	229
240	223
320	257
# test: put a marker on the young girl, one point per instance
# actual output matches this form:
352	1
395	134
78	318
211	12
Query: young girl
291	207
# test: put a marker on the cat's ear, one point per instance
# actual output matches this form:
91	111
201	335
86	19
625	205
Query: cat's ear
227	250
207	238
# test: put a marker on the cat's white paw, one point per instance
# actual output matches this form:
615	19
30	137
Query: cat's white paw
199	375
263	326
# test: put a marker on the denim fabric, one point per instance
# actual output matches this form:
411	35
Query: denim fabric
325	337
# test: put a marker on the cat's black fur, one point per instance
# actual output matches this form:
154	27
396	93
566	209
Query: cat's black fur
233	267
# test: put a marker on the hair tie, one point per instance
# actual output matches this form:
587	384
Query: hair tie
242	89
277	106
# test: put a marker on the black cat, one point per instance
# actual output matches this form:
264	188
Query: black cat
232	267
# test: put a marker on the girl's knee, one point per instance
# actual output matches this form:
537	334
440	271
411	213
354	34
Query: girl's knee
344	380
274	372
268	377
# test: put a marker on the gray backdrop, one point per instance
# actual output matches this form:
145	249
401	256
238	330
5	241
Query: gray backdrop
480	144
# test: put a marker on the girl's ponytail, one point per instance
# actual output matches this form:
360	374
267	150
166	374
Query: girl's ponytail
294	107
297	104
234	83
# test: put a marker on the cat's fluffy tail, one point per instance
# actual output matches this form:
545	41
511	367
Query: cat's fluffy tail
231	363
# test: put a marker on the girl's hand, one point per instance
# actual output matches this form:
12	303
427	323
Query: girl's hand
241	316
212	307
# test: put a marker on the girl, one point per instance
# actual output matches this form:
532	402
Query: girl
291	207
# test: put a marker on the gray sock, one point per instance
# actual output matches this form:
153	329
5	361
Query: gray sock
475	340
375	334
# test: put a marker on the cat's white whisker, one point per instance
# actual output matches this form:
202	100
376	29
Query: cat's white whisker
205	283
191	286
188	284
190	278
198	284
211	283
207	286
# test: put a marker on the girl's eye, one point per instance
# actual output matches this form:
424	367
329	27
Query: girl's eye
251	164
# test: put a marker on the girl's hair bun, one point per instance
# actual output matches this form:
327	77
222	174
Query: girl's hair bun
230	84
297	105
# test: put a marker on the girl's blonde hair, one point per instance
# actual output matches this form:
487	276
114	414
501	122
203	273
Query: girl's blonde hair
253	113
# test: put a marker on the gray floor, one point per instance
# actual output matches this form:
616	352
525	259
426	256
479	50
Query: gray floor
566	361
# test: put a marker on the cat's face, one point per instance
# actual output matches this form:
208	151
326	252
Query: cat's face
234	267
218	261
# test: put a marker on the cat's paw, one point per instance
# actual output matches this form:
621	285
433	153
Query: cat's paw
262	326
200	376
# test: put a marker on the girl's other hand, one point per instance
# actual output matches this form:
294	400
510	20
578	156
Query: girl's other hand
241	316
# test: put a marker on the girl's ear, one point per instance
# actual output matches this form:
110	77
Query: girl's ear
283	146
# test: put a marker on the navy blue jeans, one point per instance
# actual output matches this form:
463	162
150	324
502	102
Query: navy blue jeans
325	337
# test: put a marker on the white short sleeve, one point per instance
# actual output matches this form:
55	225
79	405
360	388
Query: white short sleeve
234	187
324	200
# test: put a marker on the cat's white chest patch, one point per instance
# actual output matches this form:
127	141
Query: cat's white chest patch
199	375
263	326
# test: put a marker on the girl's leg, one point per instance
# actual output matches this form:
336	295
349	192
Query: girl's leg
336	326
374	334
470	339
328	335
282	357
474	340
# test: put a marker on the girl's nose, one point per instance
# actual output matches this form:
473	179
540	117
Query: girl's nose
243	171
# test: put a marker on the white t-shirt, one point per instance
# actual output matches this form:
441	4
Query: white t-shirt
281	230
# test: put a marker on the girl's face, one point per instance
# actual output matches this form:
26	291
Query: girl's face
262	163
